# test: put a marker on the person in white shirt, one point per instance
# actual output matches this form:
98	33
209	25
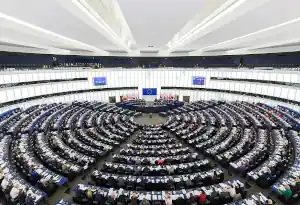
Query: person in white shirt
251	202
86	166
14	192
168	199
4	184
44	181
1	174
231	190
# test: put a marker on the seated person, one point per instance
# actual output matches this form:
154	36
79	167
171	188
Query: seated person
111	200
6	185
80	195
269	202
134	199
168	199
144	202
180	201
1	175
122	199
267	173
89	194
295	186
286	192
99	197
160	161
192	199
29	198
202	197
232	191
15	192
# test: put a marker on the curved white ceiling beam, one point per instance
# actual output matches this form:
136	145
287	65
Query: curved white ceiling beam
253	35
126	33
281	46
48	48
111	13
226	13
30	48
223	10
96	18
51	34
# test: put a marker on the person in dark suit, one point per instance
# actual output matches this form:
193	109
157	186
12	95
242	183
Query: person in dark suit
189	183
142	183
121	182
192	200
225	197
157	203
144	202
146	170
29	199
137	171
208	180
134	199
180	201
99	197
122	199
138	161
170	183
111	200
111	182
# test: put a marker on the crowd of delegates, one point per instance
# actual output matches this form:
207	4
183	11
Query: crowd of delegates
45	146
222	193
143	169
159	105
163	101
256	140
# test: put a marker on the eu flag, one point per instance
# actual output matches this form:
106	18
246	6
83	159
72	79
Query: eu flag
149	91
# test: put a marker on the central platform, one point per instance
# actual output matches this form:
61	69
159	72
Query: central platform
149	107
146	120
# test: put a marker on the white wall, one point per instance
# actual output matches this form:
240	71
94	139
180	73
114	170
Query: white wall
209	95
88	96
154	78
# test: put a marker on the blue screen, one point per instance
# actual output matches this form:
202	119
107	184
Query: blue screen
198	80
149	91
99	80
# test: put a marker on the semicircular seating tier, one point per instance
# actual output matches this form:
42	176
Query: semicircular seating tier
51	146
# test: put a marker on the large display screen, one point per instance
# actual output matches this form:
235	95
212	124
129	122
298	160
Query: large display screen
198	80
99	80
149	91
